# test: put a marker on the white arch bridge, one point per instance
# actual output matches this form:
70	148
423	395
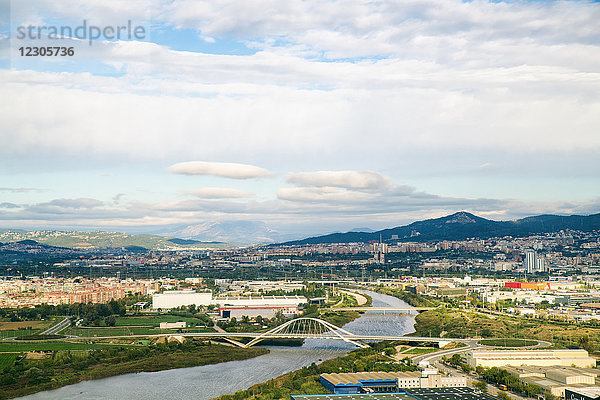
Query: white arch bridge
299	328
314	328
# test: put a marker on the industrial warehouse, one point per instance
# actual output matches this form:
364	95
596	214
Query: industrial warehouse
462	393
539	358
387	382
582	394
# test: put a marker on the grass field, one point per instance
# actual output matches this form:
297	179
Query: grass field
507	342
127	331
13	326
18	333
155	320
18	347
7	359
421	350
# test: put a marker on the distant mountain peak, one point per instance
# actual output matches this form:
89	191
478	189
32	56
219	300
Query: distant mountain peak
241	232
28	242
462	217
361	230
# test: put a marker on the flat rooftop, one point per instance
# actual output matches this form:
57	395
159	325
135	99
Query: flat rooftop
356	377
373	396
461	393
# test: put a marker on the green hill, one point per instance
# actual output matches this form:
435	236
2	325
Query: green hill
463	225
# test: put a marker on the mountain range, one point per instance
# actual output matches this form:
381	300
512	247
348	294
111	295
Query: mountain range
100	240
459	226
463	225
239	232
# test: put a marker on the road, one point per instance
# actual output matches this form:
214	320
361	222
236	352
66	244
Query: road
53	330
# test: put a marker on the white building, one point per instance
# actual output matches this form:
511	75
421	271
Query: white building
178	298
255	311
534	263
256	301
529	296
172	325
529	263
542	358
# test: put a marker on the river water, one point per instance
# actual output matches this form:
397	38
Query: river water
210	381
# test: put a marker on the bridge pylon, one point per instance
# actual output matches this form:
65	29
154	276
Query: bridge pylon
307	328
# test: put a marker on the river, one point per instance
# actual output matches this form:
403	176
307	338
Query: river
210	381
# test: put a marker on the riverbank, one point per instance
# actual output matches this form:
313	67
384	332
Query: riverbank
413	299
64	368
231	377
379	357
305	381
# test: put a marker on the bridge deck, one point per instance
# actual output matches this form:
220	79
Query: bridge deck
383	308
284	336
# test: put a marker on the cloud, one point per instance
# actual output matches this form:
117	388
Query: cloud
66	204
225	170
305	211
117	198
341	179
424	91
219	193
322	195
431	28
9	205
18	190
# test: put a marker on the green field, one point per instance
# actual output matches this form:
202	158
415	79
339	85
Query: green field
128	331
41	337
508	342
7	359
155	320
420	350
18	347
18	333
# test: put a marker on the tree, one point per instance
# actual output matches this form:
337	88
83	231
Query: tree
390	351
110	320
481	386
456	360
584	343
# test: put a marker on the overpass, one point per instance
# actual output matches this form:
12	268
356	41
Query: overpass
382	309
299	328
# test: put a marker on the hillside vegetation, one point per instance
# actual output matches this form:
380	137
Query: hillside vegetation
89	240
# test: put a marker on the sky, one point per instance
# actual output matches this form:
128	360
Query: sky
310	116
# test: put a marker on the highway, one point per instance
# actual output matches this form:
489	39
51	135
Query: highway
53	330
